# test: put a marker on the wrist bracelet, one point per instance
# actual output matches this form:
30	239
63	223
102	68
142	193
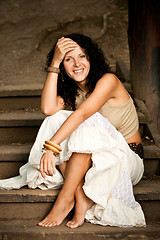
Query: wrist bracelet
44	151
55	148
54	145
53	69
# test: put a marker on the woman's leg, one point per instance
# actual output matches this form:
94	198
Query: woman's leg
77	166
83	203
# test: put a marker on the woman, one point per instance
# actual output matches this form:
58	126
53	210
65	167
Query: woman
96	161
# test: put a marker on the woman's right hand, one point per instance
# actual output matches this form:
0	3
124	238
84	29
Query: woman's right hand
47	164
63	46
50	102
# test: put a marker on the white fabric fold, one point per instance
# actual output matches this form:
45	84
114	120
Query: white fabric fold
115	167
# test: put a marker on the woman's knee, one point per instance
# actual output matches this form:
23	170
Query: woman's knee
82	158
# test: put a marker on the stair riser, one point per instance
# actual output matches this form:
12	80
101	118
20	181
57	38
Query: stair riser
18	130
24	211
19	103
18	134
31	211
151	209
80	236
151	167
11	169
28	230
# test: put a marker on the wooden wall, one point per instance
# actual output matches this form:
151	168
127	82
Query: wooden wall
144	45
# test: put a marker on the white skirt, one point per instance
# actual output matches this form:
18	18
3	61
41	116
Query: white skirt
115	168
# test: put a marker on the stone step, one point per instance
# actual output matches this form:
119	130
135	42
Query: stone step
21	126
151	160
32	204
19	90
32	118
13	156
27	230
21	119
25	97
150	127
21	103
21	97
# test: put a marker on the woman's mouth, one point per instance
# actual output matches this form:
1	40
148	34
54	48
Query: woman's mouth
78	71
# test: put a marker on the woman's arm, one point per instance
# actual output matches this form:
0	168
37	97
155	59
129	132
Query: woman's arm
104	90
50	102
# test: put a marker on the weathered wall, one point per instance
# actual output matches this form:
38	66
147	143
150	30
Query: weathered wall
29	28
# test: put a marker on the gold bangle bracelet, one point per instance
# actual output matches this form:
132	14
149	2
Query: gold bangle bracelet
53	149
54	145
44	151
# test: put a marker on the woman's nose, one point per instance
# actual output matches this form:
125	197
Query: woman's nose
76	62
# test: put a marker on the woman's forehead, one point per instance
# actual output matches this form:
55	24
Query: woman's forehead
78	50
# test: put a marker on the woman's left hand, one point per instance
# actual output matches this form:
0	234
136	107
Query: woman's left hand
47	164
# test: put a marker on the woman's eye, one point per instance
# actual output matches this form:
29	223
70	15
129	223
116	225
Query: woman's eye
67	59
83	56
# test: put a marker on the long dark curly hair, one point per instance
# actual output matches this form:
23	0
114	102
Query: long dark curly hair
67	87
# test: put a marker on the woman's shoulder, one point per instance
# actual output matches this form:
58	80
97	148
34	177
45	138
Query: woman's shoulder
109	79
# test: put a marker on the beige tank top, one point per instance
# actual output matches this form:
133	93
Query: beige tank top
124	117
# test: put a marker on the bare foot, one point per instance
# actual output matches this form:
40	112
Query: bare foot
83	203
58	213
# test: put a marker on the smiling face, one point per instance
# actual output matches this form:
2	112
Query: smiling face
77	65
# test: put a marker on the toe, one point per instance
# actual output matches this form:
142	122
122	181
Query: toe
47	223
74	225
40	223
44	222
70	223
67	224
52	224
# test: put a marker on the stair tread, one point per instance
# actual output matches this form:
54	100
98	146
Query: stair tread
34	89
21	90
22	118
19	152
15	152
146	189
28	195
24	229
21	115
151	151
